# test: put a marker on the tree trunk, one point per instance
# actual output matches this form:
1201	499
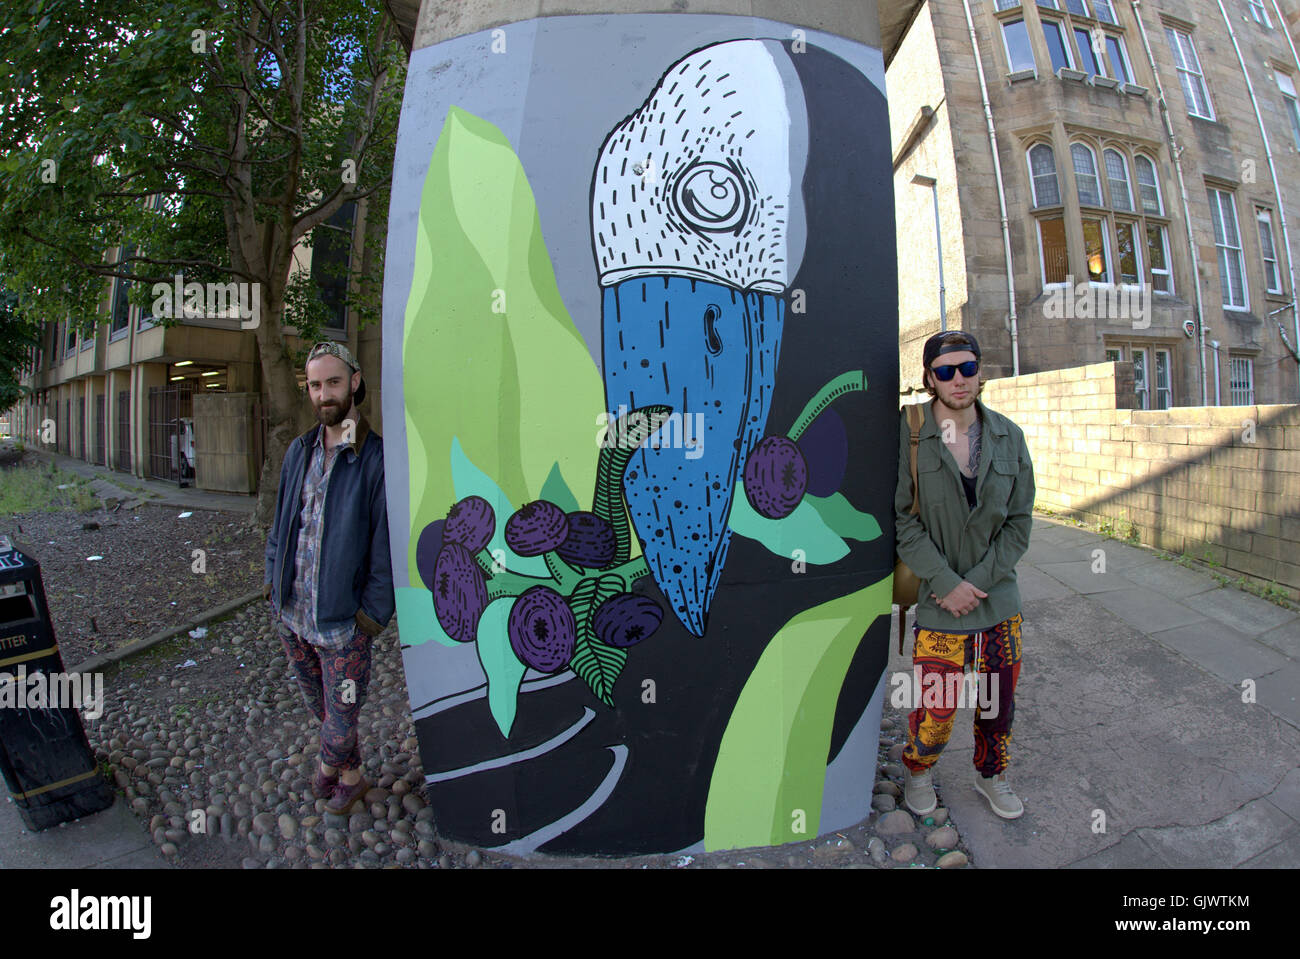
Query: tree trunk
282	397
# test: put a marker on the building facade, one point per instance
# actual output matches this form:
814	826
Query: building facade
124	396
1143	157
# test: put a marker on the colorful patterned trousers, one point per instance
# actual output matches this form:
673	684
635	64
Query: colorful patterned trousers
333	684
939	660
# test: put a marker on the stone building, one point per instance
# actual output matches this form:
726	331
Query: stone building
1140	200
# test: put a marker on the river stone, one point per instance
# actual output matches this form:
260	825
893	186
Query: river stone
412	803
288	828
896	752
406	855
427	849
893	769
876	848
945	837
895	823
263	823
444	861
887	788
250	863
473	858
952	860
904	853
883	803
940	816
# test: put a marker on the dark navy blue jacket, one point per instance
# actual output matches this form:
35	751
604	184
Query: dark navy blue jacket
356	575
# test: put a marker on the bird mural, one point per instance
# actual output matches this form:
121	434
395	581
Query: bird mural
697	228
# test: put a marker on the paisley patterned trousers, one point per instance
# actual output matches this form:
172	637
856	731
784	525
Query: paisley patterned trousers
333	684
939	659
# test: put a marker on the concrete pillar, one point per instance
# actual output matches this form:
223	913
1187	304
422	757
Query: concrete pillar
678	214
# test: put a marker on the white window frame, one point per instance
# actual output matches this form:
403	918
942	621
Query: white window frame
1168	271
1082	3
1125	63
1033	177
1042	257
1141	375
1155	181
1006	47
1188	64
1110	181
1139	241
1290	105
1224	201
1096	177
1264	221
1108	259
1256	9
1167	390
1241	396
1062	29
1108	6
1099	62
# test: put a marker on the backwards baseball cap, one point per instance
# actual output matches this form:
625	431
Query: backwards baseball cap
330	348
960	342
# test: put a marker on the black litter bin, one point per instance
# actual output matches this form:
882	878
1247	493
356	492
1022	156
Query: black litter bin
47	763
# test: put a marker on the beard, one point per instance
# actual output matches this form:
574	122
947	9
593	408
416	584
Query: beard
332	415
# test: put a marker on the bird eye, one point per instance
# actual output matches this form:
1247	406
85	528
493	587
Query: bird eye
712	197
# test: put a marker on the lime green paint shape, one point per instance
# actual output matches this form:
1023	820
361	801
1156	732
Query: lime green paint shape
771	766
487	337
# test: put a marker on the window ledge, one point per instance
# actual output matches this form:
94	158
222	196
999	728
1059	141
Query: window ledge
1133	89
1110	83
118	334
1019	75
1065	73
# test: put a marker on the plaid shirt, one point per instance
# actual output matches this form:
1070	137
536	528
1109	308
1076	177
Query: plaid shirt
299	612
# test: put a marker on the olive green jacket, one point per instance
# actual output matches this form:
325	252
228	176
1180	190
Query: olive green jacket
948	541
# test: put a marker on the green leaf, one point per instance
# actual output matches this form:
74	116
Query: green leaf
489	352
803	530
598	665
501	666
621	440
771	763
843	518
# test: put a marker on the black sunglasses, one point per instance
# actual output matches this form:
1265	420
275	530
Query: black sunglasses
944	373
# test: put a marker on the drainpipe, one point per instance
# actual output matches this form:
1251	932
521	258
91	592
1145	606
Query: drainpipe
922	180
1002	199
1174	153
1268	152
1214	345
1290	261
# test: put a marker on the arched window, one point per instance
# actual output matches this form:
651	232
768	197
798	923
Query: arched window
1042	170
1148	186
1117	179
1085	175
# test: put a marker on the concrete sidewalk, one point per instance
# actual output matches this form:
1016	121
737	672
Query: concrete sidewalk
1131	705
107	483
112	839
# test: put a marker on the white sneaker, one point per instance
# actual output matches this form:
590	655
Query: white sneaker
998	792
918	791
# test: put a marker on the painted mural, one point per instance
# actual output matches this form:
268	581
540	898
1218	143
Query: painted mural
641	480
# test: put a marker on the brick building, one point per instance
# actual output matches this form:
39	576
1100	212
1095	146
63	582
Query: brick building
1111	249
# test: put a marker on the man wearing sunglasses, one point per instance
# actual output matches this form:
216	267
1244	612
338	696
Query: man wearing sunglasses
328	575
976	501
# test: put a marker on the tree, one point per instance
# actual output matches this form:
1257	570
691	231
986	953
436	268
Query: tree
203	137
17	337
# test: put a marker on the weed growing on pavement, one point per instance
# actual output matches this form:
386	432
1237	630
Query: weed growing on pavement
26	489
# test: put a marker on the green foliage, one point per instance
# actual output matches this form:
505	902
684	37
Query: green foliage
142	139
30	489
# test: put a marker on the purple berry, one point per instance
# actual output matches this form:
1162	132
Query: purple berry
591	541
536	528
427	548
542	630
626	619
775	477
459	592
470	523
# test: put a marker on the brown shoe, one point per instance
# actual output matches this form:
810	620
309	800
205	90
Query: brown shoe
322	786
345	797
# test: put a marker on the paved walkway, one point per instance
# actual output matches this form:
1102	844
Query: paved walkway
112	483
1132	704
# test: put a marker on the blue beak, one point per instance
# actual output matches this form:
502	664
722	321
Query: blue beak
708	351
